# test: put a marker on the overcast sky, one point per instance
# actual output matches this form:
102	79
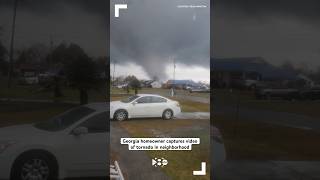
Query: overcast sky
77	21
277	30
150	35
146	36
151	31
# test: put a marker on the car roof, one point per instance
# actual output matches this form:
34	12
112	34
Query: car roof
149	95
99	106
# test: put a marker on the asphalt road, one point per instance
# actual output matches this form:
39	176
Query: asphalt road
193	115
266	170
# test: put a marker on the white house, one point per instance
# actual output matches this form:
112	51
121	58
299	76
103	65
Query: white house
156	84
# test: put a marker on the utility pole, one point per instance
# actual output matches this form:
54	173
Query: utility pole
10	72
174	78
114	70
174	69
50	63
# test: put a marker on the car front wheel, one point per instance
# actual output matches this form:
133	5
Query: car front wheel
167	114
121	115
34	166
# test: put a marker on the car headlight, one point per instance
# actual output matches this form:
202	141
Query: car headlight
5	144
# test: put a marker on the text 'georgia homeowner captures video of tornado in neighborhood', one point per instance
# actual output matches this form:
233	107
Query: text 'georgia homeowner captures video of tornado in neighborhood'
160	89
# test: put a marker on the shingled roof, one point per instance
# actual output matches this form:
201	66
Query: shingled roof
251	64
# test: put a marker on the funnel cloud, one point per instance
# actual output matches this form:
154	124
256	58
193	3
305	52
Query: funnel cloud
154	33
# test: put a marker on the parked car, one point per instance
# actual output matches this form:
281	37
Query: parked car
283	93
217	147
142	106
72	144
253	84
310	94
188	87
201	89
45	78
121	86
29	80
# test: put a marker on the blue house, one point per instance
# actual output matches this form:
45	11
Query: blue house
234	71
181	83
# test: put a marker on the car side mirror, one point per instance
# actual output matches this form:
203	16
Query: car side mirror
79	131
134	103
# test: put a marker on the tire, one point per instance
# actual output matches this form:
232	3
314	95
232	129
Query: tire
34	164
167	114
120	115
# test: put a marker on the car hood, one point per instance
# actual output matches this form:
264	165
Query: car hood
20	132
116	104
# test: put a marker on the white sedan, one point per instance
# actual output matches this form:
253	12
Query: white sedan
142	106
72	144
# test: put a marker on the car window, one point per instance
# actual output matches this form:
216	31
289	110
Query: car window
97	123
129	99
158	99
64	120
145	99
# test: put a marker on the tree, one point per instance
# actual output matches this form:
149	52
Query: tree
133	83
81	72
34	54
3	63
59	55
3	52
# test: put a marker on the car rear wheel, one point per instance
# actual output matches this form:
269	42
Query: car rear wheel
121	115
167	114
34	166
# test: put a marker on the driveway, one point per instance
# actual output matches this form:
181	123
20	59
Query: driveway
193	115
266	170
135	165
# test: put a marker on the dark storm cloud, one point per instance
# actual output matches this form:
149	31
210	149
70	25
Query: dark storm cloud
151	33
277	30
72	21
49	6
306	9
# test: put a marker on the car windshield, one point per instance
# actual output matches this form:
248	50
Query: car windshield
64	120
129	99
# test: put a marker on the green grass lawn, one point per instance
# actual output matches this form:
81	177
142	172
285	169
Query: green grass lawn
308	108
247	99
181	163
247	139
37	92
12	113
191	106
160	91
186	105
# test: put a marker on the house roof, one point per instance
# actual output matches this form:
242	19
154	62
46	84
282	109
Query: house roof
182	82
251	64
